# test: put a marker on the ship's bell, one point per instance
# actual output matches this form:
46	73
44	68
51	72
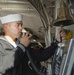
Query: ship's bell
63	16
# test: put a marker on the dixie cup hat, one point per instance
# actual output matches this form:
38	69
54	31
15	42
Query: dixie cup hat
11	18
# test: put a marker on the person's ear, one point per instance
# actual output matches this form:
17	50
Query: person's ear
5	26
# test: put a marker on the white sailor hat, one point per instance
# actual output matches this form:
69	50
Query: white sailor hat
11	18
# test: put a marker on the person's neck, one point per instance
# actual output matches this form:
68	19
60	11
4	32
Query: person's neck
11	38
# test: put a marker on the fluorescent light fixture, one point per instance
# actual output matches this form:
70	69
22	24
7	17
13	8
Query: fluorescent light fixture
17	9
9	1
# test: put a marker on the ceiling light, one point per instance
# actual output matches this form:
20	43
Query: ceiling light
17	9
8	1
